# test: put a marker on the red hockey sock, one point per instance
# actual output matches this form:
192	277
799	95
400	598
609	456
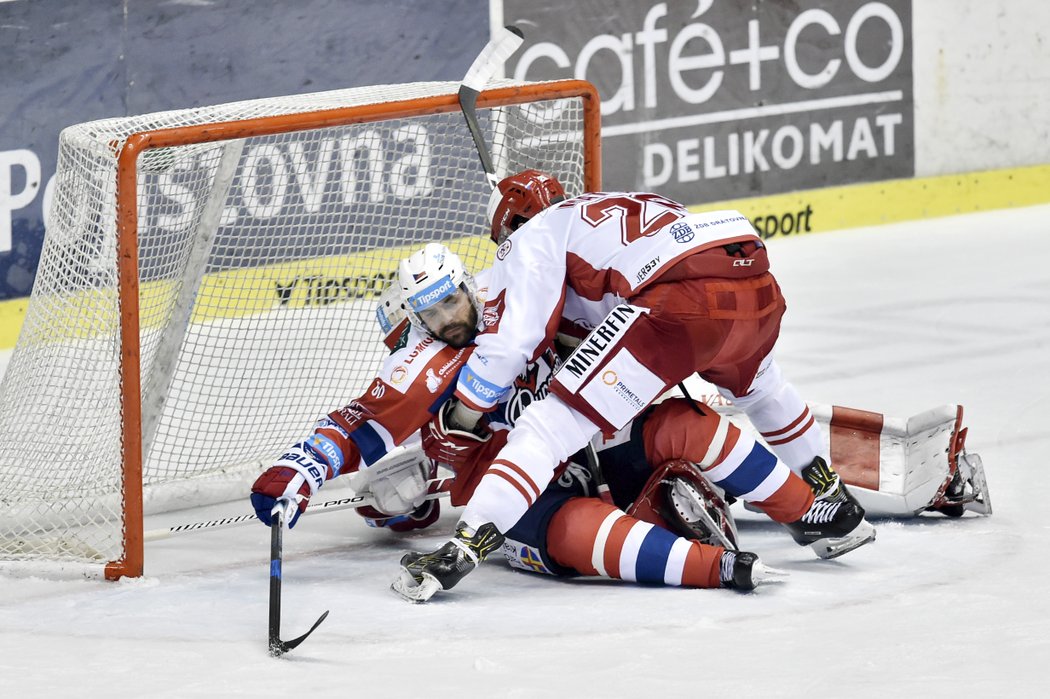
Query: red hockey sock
595	538
791	500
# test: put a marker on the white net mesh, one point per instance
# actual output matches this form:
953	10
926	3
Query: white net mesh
260	262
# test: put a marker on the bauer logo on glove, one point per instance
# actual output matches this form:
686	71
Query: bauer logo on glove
289	483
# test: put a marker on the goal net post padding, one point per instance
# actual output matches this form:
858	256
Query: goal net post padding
207	289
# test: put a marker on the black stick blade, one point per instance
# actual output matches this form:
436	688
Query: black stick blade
279	647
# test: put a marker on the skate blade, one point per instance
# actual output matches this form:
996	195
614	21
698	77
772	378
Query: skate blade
761	574
413	591
828	548
981	503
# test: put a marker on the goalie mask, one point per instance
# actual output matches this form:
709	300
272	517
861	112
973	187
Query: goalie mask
520	197
440	295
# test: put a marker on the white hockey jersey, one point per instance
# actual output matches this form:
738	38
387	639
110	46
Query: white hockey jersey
574	262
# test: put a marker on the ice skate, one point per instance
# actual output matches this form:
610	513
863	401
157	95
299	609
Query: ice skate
742	571
835	523
424	574
967	489
699	508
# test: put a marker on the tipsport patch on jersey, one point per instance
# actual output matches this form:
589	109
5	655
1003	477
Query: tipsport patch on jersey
327	448
484	392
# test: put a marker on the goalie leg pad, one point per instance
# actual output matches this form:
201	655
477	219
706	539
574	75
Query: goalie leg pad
902	467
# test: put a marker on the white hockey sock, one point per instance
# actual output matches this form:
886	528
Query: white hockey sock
779	414
788	427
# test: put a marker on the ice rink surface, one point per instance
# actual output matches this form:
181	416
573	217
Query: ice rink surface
895	319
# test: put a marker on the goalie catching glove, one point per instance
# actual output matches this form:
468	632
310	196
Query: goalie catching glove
289	484
424	574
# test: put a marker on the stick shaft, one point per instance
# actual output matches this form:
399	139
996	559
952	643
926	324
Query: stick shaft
503	44
436	488
276	545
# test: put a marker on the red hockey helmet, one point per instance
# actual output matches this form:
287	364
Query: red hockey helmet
520	197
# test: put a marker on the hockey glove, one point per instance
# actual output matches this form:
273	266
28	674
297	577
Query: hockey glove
420	518
280	483
289	483
424	574
446	444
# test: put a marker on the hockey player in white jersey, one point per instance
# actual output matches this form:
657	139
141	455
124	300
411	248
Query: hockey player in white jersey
657	294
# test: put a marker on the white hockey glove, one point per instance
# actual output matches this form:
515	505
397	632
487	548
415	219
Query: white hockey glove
398	481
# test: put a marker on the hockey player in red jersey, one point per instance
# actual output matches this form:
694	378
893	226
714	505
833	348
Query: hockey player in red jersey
661	294
636	537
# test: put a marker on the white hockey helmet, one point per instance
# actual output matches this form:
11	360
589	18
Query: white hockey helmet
430	275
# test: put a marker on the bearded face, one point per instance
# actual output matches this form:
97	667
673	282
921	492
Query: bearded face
453	320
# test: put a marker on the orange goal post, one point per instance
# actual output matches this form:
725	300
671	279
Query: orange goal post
207	288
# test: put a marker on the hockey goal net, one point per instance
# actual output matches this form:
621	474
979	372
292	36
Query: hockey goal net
207	289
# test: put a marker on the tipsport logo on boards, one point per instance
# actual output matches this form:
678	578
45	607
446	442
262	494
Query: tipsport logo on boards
713	99
301	290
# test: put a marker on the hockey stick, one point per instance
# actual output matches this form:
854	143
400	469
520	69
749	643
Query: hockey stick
598	474
436	488
689	398
505	42
276	645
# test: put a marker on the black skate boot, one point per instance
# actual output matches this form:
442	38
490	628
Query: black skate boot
835	523
741	570
423	574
